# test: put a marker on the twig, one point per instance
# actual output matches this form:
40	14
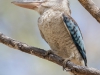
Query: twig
90	6
80	70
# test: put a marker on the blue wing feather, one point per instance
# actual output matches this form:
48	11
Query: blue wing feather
76	35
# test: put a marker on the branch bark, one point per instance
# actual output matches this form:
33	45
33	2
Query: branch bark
90	6
80	70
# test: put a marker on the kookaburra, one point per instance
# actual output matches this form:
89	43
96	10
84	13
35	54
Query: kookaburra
59	29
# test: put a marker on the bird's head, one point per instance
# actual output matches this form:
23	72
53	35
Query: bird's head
42	5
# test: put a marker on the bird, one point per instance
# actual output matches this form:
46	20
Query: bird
59	29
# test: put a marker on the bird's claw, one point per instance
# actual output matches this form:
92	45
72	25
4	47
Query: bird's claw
48	53
64	65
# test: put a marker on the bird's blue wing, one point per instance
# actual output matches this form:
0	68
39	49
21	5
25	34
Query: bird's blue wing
76	35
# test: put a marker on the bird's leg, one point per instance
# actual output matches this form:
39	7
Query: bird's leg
48	53
64	63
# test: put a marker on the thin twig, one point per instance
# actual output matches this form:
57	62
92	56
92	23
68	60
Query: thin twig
91	7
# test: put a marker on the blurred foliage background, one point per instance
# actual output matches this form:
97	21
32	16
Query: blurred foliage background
21	24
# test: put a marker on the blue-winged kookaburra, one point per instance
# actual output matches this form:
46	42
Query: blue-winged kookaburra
59	29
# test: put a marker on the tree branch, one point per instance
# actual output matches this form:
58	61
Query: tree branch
90	6
80	70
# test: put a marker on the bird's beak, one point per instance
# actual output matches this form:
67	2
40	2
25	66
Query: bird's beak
28	4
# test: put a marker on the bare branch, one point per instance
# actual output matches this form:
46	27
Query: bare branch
80	70
90	6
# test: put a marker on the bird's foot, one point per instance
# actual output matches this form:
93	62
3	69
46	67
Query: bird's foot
64	64
48	53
